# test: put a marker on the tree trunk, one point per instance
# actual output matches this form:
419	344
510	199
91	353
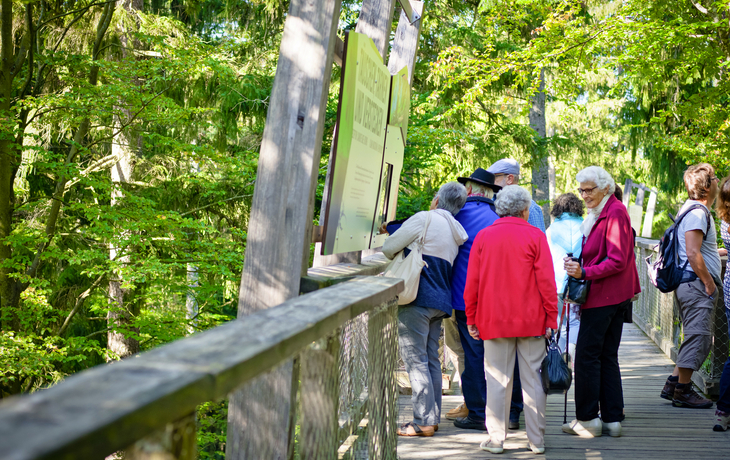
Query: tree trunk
122	306
540	168
9	163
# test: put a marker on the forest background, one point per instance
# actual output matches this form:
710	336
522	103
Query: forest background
130	132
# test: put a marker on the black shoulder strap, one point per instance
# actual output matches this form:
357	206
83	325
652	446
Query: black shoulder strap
690	209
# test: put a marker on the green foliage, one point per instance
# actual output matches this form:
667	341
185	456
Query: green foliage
212	425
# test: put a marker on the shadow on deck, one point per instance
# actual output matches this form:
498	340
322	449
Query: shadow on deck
653	429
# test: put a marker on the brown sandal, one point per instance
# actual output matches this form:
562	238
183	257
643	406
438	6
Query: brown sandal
411	429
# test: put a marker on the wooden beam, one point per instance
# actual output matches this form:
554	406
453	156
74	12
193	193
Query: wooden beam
321	277
628	186
339	51
649	216
375	21
281	212
99	411
411	14
405	43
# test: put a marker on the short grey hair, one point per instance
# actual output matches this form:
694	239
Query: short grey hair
599	176
480	188
452	196
512	201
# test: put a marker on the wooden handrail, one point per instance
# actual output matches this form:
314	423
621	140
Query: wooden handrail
107	408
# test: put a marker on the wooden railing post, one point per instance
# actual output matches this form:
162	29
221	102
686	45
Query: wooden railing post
281	217
177	441
382	391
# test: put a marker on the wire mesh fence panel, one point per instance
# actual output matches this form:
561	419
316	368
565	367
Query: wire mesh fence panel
658	315
382	391
353	370
347	395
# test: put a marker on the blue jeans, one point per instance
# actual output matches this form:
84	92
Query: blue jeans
419	329
723	403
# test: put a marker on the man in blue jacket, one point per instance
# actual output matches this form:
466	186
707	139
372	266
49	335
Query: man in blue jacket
477	214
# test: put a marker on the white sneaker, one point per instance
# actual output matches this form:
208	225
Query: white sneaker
537	450
722	420
587	429
492	447
613	428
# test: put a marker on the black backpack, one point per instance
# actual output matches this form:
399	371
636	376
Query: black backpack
665	273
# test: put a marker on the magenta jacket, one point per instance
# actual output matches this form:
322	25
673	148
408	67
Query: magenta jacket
608	257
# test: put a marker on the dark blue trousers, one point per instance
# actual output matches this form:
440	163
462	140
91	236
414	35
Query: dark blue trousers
473	382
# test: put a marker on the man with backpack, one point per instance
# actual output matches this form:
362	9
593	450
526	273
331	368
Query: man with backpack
697	294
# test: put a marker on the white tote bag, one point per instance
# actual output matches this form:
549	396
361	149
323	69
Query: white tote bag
409	268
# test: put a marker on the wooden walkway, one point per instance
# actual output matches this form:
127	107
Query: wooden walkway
653	429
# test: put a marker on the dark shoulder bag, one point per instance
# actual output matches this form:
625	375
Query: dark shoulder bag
576	290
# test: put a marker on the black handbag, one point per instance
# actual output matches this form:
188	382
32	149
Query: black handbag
576	291
555	372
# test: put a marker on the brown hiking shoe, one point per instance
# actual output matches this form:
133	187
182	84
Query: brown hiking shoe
668	390
457	412
688	397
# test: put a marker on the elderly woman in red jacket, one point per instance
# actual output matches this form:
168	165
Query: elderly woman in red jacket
510	304
608	261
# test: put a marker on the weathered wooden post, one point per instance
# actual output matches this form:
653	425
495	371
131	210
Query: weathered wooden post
281	212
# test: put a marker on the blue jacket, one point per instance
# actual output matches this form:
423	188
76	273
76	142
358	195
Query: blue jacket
476	215
564	236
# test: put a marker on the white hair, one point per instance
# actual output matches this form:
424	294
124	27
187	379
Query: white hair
512	201
599	176
452	196
476	187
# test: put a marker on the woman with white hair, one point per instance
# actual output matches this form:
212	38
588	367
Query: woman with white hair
510	304
609	263
419	322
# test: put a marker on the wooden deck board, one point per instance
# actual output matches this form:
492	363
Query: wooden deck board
653	429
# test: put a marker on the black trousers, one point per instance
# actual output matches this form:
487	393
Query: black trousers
597	375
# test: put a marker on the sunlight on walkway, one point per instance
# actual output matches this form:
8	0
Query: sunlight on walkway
653	429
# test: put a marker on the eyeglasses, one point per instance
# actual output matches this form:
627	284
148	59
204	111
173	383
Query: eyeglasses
586	191
714	178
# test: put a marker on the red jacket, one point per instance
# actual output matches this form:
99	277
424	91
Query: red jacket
510	282
608	257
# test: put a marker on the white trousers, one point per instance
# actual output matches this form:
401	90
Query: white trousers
499	363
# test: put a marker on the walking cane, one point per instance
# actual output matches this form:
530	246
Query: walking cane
566	309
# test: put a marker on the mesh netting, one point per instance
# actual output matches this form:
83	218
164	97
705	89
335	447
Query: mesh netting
344	397
347	393
658	316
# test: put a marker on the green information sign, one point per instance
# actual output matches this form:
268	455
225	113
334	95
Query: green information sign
363	186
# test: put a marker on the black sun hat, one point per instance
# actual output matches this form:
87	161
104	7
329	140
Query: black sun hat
481	176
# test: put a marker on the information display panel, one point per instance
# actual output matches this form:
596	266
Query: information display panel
367	157
359	144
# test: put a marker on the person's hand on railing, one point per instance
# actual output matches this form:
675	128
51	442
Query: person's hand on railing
722	252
